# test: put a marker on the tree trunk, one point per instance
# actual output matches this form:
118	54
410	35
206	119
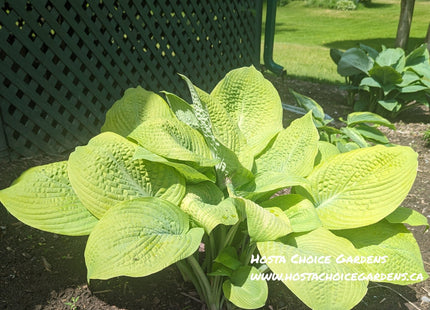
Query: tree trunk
405	21
427	40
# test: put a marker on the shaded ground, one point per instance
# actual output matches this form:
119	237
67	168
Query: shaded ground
40	270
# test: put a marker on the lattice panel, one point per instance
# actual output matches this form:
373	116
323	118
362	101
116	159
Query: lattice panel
64	63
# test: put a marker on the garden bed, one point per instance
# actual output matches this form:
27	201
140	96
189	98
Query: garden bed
41	270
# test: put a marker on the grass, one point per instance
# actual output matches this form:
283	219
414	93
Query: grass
304	35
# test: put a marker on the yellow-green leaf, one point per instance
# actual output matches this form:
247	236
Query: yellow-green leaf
311	272
265	224
243	291
136	106
389	252
172	139
205	204
253	104
293	151
103	173
363	186
140	237
42	197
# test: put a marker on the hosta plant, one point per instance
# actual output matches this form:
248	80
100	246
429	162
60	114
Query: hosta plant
360	129
387	82
197	185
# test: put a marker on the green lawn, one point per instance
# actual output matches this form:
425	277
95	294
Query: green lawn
304	35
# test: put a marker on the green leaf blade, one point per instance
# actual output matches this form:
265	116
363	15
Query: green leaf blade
205	204
244	292
253	104
391	250
363	186
103	173
174	140
136	106
42	197
140	237
325	247
293	151
265	224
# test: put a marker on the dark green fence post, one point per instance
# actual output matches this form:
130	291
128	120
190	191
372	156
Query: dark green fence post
269	37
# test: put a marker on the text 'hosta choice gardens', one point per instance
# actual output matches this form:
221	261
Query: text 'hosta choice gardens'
165	178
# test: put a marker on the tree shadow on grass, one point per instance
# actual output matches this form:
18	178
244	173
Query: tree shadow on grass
373	5
376	43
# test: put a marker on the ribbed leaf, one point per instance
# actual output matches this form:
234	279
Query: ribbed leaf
265	223
267	184
226	130
222	136
252	103
139	237
363	186
244	292
205	204
191	174
336	294
183	110
173	139
136	106
104	173
325	151
392	249
300	211
293	151
42	197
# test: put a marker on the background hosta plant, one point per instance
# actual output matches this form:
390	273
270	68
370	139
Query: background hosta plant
387	82
166	178
360	129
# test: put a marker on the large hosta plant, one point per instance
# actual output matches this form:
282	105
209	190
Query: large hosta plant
198	185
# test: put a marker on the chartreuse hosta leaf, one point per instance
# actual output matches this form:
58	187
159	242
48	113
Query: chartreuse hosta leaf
173	139
267	184
243	291
293	151
226	130
407	216
300	211
104	173
389	250
183	110
310	259
325	151
140	237
265	223
205	204
287	159
136	106
222	136
360	187
191	174
42	197
252	103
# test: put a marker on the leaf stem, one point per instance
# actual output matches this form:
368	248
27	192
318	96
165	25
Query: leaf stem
204	282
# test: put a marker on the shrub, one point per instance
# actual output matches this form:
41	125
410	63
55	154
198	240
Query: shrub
163	178
386	83
345	5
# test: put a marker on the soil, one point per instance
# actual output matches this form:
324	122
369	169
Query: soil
44	271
